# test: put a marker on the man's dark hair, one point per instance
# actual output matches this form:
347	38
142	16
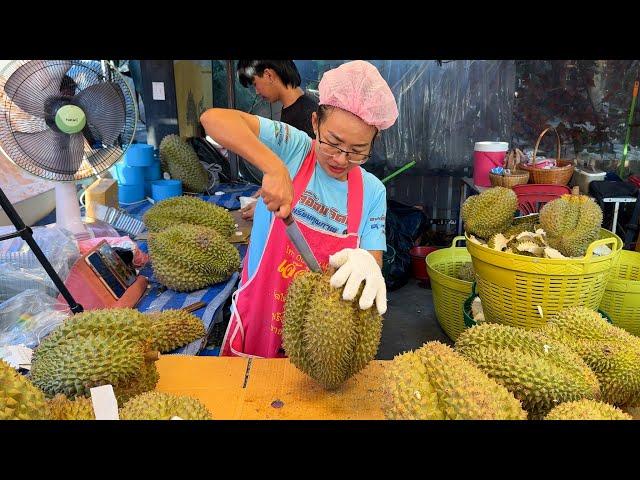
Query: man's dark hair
285	69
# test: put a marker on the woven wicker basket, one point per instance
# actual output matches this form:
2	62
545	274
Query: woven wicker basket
519	178
560	175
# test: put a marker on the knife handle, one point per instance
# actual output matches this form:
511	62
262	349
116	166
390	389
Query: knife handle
288	220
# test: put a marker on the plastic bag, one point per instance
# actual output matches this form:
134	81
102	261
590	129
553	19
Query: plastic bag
29	317
404	225
20	270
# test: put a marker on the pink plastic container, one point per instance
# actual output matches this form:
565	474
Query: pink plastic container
487	155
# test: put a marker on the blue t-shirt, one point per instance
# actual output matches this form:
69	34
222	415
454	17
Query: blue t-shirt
326	195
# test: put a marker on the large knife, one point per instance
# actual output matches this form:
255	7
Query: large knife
295	235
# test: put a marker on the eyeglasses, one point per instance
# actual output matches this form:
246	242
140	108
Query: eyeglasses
331	150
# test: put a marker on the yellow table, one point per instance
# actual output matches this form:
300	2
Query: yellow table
238	388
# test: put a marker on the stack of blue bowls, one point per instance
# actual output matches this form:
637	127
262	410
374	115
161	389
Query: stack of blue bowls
132	171
157	187
152	173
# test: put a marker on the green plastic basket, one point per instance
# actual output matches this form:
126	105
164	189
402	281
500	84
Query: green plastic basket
470	322
622	293
449	292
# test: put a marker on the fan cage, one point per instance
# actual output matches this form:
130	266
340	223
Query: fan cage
14	120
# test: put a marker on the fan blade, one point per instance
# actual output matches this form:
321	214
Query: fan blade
52	151
104	156
32	83
103	104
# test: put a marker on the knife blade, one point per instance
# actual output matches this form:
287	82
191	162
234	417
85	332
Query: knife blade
298	240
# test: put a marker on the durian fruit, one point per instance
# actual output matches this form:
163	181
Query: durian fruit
62	408
172	329
436	383
587	410
190	257
328	338
192	210
124	323
181	161
489	212
466	272
76	365
571	223
539	371
19	399
163	406
145	381
611	352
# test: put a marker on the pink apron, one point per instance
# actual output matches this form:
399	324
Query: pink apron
255	326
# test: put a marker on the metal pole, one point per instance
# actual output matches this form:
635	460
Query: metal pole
233	158
27	235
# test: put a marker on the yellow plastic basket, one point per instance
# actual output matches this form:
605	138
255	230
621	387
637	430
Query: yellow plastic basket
621	299
449	292
524	291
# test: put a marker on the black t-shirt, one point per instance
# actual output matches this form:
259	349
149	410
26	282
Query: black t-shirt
298	114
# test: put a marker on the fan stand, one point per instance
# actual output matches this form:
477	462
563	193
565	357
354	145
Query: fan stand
68	210
27	235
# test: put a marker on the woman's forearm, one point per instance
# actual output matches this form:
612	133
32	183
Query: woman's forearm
238	131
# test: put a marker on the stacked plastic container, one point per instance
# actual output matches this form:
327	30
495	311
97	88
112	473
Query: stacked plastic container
131	173
152	173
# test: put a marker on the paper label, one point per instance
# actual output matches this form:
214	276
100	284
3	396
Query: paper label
18	356
157	90
105	405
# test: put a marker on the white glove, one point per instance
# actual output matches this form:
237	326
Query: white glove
356	265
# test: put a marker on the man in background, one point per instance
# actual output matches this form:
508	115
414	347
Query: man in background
278	81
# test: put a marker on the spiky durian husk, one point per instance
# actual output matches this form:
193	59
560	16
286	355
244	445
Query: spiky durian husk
62	408
436	383
190	257
611	352
328	338
498	242
163	406
76	365
172	329
466	272
181	161
192	210
490	212
539	371
587	410
123	323
571	223
19	399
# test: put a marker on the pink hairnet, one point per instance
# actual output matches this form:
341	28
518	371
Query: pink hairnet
358	87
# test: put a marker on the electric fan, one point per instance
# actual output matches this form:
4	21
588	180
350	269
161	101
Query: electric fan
64	121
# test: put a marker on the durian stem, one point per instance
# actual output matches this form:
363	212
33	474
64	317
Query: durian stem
152	355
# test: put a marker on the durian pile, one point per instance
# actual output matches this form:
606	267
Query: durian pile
109	346
577	367
146	406
101	347
326	337
189	243
181	161
564	228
